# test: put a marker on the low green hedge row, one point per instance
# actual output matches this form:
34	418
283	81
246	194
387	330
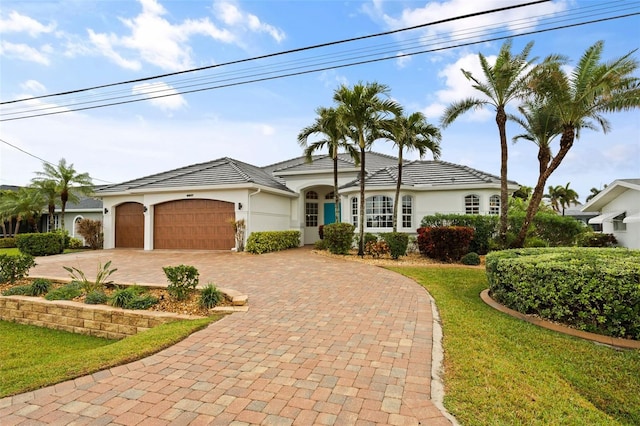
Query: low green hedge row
7	242
591	289
268	241
41	244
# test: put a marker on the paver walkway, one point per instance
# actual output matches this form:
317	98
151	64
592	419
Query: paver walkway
325	341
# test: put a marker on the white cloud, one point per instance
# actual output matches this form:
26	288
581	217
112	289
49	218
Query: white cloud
458	87
156	40
402	61
104	44
232	15
170	99
25	52
475	27
33	86
17	23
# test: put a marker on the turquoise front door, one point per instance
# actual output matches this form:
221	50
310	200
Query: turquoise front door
330	213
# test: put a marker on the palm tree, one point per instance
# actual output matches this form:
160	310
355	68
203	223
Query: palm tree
579	99
362	112
49	191
594	191
23	204
68	181
409	133
554	195
327	124
504	82
524	193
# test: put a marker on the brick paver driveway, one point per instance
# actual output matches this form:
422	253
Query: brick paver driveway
325	341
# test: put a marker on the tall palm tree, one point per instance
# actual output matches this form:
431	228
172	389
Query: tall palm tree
568	197
24	204
328	124
411	132
579	99
504	82
554	195
363	112
69	183
48	189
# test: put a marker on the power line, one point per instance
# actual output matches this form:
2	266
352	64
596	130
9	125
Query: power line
41	159
298	73
285	52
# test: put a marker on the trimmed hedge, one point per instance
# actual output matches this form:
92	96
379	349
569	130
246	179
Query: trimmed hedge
445	243
43	244
555	230
268	241
591	289
397	242
339	237
596	239
7	242
484	226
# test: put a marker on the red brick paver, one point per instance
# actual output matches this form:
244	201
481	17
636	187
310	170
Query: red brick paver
325	341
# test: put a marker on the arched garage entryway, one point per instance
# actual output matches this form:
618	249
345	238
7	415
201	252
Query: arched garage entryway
194	224
130	225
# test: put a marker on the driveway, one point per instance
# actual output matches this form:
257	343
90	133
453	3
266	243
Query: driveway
324	341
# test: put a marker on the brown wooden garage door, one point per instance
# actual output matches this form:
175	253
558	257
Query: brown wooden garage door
130	225
193	224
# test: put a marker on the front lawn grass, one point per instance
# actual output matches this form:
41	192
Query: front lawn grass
504	371
33	357
10	251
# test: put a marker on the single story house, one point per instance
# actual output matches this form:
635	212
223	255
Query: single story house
619	208
192	207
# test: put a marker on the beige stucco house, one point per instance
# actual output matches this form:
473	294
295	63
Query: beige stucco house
619	208
191	207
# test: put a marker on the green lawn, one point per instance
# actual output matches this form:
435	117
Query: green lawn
11	251
34	357
503	371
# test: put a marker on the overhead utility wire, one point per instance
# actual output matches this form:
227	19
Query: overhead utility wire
400	55
414	43
285	52
41	159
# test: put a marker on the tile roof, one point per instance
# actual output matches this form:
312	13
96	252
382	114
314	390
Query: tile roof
373	161
429	173
223	171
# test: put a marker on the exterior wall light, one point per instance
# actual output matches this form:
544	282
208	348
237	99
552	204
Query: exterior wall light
239	206
106	210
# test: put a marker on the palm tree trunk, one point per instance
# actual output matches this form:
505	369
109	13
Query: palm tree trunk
361	212
62	210
52	212
17	228
397	198
566	142
335	186
501	120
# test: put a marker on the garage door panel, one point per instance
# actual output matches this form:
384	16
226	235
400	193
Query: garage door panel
194	224
130	225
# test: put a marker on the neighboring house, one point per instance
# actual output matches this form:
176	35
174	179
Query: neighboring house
575	211
619	208
192	207
85	208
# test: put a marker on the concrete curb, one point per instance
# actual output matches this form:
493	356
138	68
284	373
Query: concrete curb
598	338
437	370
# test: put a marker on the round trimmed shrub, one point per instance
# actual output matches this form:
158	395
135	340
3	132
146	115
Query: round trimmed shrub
471	258
339	237
591	289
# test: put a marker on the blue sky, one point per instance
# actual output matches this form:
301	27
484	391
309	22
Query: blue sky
52	46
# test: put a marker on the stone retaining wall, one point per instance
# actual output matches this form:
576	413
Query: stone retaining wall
95	320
